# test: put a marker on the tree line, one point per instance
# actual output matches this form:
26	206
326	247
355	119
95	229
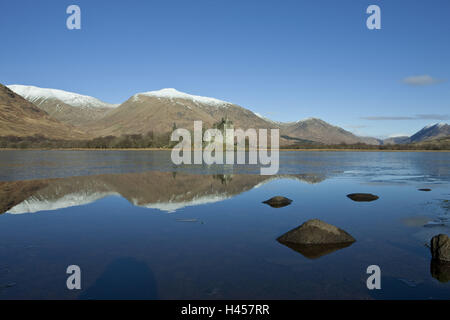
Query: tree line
126	141
150	140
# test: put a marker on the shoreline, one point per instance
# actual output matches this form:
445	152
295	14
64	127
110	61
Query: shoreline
170	149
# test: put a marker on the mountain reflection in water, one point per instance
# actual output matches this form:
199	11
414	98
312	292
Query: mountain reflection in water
96	210
165	191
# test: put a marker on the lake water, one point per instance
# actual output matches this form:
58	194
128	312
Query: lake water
140	227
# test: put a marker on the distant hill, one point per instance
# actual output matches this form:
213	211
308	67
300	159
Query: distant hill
431	132
19	117
317	130
428	133
396	140
442	143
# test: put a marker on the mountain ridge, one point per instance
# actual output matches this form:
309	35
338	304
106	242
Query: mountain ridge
427	133
33	93
68	107
19	117
161	110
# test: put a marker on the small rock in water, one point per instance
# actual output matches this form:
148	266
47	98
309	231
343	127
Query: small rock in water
425	189
278	202
314	232
362	197
440	248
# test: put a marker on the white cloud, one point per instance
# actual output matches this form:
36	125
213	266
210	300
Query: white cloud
421	80
439	117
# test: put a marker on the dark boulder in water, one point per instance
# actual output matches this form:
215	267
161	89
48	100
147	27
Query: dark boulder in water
316	232
425	189
440	270
278	202
440	248
362	197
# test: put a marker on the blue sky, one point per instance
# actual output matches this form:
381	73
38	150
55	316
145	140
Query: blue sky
286	60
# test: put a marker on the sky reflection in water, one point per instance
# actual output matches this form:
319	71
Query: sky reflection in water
205	233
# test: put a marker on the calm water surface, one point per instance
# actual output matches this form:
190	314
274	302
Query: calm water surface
140	227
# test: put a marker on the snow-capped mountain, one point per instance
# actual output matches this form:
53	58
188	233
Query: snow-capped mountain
277	123
39	95
432	131
171	93
429	132
67	107
19	117
159	111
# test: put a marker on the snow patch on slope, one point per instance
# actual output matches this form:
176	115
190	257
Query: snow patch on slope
267	119
310	119
171	93
33	205
39	95
437	125
172	206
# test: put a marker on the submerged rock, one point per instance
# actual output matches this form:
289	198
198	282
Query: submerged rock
440	248
440	270
316	232
278	202
362	197
416	221
315	251
424	189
